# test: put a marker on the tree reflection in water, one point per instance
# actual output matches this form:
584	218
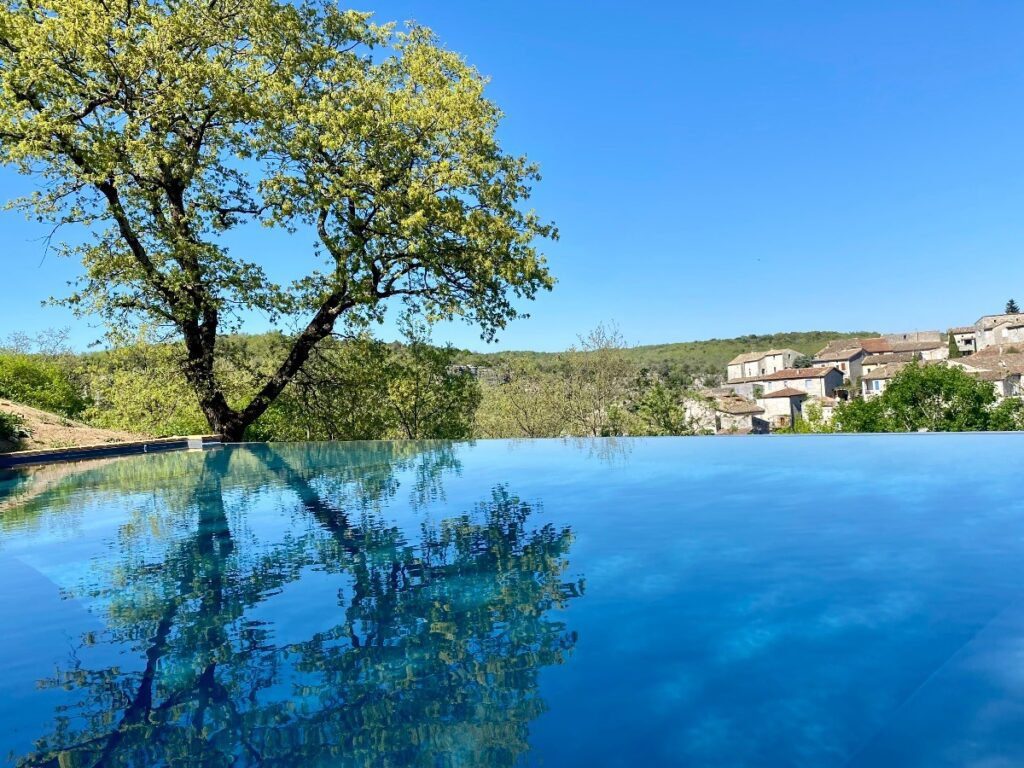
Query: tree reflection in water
433	658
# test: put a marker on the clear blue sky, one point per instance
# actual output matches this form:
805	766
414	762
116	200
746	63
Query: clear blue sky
722	168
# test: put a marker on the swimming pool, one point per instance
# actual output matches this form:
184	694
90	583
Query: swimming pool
802	601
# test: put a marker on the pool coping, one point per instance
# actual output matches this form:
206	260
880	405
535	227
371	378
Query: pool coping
98	450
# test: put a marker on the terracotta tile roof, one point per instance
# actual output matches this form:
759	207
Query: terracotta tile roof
885	371
750	357
916	346
746	357
800	373
788	373
963	329
994	358
837	347
840	354
891	357
844	349
876	346
986	375
785	392
737	406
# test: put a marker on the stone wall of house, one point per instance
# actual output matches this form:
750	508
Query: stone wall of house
914	336
939	353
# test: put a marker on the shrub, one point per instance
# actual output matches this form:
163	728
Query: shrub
1008	416
49	384
11	427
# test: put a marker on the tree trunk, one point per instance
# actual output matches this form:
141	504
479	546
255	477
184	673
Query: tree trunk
223	419
200	343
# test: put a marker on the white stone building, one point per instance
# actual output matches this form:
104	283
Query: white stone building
874	362
822	382
964	338
991	330
873	384
847	357
751	364
723	412
782	407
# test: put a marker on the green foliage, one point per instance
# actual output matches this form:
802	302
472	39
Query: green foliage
660	412
813	422
363	389
158	127
937	398
1012	308
141	389
1008	416
588	391
954	350
683	364
804	361
527	402
11	426
932	397
596	389
51	384
426	395
860	415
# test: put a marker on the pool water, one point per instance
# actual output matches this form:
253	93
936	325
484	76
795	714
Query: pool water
803	601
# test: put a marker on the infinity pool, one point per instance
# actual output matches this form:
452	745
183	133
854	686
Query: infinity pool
818	601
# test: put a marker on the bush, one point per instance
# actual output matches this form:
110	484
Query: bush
11	427
930	397
49	384
1008	416
141	389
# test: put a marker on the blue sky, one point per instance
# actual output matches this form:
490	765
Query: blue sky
723	168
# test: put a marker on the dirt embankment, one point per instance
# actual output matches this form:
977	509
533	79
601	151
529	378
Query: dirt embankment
49	430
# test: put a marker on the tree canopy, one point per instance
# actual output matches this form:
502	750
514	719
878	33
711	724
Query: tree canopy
161	126
932	397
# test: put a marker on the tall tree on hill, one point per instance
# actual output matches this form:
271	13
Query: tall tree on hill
1012	308
161	126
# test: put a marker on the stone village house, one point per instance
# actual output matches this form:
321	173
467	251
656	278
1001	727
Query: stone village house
723	412
752	364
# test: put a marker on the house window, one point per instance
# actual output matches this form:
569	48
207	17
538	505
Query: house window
876	384
808	382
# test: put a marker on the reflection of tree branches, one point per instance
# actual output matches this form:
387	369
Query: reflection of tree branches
608	450
433	661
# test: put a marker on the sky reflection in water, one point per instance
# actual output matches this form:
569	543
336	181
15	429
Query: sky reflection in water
820	601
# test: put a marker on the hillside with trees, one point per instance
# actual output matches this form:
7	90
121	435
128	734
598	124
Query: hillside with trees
686	360
358	388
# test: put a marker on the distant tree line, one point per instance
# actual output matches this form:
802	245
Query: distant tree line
360	388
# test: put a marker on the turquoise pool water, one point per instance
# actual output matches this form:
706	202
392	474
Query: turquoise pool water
818	601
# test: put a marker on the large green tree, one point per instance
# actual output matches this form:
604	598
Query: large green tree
933	397
160	126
